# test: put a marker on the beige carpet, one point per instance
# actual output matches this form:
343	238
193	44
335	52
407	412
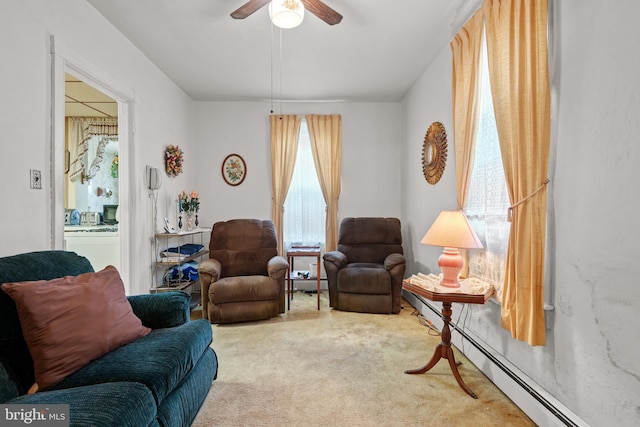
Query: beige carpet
331	368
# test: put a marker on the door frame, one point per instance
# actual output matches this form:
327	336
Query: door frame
64	60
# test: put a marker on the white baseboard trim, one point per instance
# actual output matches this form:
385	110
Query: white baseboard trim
536	402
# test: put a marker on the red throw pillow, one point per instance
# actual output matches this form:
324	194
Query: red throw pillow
70	321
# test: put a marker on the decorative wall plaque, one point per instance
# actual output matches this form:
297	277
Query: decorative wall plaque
234	169
434	153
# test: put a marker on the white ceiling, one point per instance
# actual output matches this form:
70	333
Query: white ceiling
376	53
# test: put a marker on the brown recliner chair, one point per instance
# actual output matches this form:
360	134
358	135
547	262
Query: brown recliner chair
365	273
243	278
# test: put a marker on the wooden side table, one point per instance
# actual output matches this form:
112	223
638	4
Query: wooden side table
444	350
302	251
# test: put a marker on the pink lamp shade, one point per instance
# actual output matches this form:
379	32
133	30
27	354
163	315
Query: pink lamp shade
452	230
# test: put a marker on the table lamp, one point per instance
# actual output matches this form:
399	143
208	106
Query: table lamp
452	231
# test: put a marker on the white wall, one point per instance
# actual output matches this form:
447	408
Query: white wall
428	101
370	157
163	115
24	120
590	362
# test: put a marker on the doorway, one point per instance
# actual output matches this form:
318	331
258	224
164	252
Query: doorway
66	63
91	184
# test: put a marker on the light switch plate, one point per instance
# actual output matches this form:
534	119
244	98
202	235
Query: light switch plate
36	179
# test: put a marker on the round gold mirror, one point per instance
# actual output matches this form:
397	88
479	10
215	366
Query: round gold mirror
434	153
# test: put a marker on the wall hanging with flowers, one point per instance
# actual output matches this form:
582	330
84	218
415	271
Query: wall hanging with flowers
173	160
234	169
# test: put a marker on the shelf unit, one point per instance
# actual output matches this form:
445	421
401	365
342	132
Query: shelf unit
163	241
300	277
307	252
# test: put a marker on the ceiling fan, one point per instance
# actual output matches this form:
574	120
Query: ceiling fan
317	7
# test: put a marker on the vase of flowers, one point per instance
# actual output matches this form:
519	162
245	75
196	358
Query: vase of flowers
188	221
189	205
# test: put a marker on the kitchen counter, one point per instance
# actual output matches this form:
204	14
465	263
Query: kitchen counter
103	228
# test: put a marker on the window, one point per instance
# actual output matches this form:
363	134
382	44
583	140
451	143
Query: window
304	208
519	68
488	200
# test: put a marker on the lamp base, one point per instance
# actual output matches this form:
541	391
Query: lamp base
450	263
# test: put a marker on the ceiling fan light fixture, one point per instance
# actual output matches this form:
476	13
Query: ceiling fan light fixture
286	13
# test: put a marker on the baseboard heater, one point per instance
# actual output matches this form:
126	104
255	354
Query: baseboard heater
538	404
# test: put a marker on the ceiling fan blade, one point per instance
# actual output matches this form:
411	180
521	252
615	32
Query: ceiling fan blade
322	11
248	8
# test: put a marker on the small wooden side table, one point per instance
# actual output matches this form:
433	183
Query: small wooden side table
444	350
302	251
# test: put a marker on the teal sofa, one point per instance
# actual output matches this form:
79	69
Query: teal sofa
161	379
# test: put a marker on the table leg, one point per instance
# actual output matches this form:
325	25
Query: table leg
318	279
444	351
289	271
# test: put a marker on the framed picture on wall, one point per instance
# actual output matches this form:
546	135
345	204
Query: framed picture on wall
234	169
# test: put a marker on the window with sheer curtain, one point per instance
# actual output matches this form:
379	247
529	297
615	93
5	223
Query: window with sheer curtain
304	207
488	200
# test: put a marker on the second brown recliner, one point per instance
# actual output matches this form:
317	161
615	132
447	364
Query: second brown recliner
243	279
365	273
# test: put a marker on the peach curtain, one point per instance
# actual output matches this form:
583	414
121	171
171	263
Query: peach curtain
325	133
518	70
284	147
465	48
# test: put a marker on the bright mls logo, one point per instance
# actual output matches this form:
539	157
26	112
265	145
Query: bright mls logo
34	415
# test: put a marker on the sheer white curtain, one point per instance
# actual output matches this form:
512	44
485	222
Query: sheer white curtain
81	129
488	200
304	207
